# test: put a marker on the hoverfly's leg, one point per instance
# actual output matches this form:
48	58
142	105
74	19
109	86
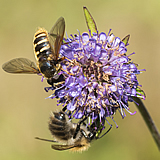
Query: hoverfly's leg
104	133
58	79
69	60
78	127
67	72
61	59
67	43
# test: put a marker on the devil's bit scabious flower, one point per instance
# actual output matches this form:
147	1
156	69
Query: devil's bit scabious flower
100	77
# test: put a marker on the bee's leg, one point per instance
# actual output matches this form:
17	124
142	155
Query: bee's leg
48	140
64	108
90	136
69	112
78	127
104	133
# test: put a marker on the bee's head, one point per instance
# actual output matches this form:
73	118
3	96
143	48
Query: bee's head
60	115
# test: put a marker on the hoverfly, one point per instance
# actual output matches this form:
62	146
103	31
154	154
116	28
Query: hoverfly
46	47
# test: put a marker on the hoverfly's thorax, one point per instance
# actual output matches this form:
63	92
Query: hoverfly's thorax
47	69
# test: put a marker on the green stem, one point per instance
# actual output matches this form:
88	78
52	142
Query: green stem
147	118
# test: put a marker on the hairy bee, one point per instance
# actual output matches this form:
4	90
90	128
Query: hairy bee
72	136
46	46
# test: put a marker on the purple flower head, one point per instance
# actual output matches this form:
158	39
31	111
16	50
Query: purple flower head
100	77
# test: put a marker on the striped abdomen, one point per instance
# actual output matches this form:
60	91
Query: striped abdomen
60	128
44	53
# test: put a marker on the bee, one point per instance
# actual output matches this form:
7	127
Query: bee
46	47
72	136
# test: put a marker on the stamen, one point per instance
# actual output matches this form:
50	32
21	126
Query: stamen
114	122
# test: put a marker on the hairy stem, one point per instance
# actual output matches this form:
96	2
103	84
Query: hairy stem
147	118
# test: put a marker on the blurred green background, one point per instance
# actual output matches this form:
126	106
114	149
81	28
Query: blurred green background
24	111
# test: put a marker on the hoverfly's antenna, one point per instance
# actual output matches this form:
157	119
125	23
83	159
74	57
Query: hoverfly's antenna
48	140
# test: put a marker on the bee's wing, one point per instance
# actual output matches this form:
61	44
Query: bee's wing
20	65
62	147
56	36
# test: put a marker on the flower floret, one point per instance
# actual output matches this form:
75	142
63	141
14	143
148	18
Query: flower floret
99	77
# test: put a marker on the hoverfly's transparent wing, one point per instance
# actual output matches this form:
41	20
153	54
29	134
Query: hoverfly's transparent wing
20	65
62	147
56	36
